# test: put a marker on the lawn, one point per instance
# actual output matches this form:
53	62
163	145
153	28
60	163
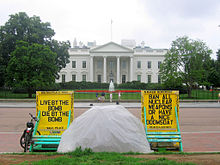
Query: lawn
88	157
5	94
201	94
104	158
196	94
124	96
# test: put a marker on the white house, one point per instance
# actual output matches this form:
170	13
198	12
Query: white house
114	62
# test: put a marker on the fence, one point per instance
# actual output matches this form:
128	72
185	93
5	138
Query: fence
201	94
126	95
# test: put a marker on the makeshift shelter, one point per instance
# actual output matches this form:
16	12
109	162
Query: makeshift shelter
109	128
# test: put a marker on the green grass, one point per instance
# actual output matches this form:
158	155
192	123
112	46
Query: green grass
104	158
124	96
196	94
201	94
88	157
9	95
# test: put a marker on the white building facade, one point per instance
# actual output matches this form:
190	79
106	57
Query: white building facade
113	62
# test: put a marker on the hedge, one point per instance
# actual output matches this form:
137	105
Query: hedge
127	85
95	85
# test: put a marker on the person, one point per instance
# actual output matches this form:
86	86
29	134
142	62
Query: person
119	96
99	99
103	97
97	96
103	94
110	97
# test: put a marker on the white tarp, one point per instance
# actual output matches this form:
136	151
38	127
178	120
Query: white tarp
109	128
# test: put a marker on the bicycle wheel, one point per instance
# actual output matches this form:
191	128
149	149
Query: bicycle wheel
22	140
26	142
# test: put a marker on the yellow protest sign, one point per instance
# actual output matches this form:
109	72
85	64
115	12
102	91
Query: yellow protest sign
54	107
160	110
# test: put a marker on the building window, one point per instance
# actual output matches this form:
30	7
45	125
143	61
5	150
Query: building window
149	64
139	64
149	78
159	79
124	64
63	78
123	78
73	77
83	77
84	64
99	78
73	64
159	63
100	64
139	78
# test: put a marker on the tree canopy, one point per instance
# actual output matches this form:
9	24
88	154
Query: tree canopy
214	75
21	27
186	63
31	67
61	49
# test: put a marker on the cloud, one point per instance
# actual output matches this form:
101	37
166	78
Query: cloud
187	9
194	18
156	22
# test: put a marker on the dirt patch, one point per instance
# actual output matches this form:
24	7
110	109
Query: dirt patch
16	159
200	159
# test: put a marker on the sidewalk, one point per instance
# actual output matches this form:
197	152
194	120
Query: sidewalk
19	104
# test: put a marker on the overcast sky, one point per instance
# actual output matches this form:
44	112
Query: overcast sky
156	22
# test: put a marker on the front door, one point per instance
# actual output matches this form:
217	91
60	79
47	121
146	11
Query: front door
111	77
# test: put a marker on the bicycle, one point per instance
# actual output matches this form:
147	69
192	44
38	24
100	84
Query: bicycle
26	138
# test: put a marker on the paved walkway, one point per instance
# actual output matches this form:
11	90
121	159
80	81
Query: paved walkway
200	127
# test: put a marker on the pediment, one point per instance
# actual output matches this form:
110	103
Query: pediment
111	47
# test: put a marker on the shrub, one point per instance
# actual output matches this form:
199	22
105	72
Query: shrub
54	87
84	85
95	85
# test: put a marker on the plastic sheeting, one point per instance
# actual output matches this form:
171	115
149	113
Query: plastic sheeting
109	128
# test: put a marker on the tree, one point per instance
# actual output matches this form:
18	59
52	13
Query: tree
31	67
30	29
2	69
214	76
185	63
61	49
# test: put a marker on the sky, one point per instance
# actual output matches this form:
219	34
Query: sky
156	22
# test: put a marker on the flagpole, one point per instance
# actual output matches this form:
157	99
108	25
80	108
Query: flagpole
111	29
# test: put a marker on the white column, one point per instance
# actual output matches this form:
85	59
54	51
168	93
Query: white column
131	68
104	69
118	70
91	68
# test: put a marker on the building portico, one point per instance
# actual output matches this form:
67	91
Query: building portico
112	61
110	68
